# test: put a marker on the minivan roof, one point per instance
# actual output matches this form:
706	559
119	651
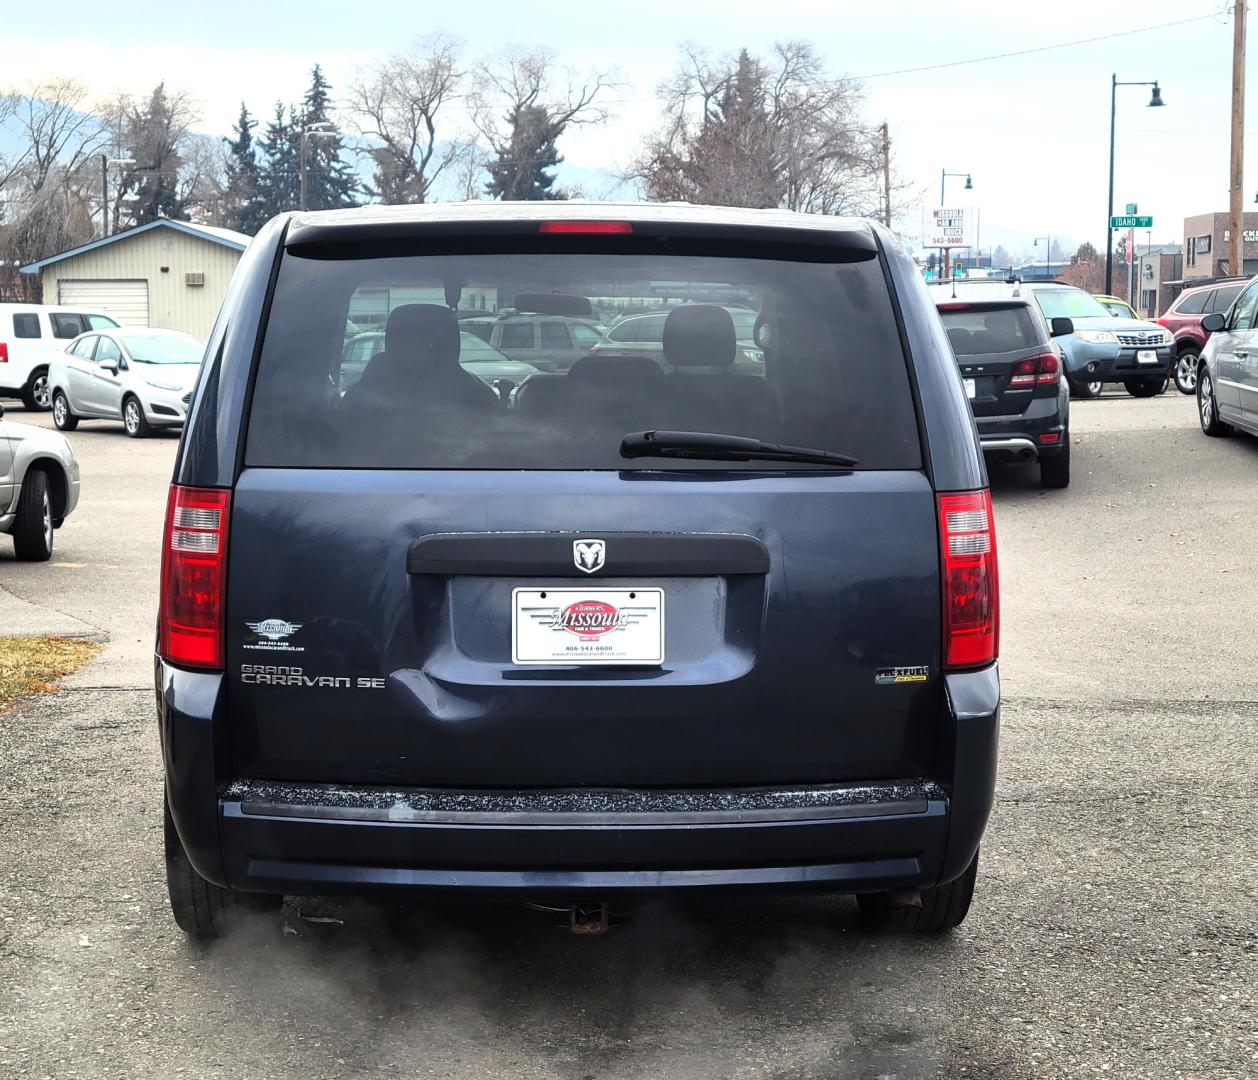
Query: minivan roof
336	226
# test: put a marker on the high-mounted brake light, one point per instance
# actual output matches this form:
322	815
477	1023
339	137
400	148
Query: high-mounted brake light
585	227
971	589
194	555
954	307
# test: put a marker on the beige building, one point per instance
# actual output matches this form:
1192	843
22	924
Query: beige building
171	274
1205	246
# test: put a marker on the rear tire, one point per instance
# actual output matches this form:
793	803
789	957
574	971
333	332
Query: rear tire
1055	470
133	418
32	527
943	907
1145	387
62	417
1208	406
1186	370
35	393
202	909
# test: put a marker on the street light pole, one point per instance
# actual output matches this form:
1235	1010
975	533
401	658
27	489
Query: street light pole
1154	102
943	180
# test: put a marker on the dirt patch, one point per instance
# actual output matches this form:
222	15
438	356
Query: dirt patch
29	665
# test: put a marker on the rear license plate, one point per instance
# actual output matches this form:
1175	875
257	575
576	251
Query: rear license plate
970	389
1147	356
587	626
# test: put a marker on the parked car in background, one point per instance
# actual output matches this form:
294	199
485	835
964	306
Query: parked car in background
475	356
1117	307
31	335
1013	379
1103	348
141	376
1227	376
639	630
643	335
1184	319
549	342
39	486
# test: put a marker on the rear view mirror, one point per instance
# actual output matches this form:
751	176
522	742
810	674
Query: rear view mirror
1213	322
110	365
1060	327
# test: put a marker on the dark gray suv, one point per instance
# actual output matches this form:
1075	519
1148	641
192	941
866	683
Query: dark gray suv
632	628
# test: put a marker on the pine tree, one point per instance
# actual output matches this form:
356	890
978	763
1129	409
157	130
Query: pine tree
244	209
330	181
522	167
154	133
278	181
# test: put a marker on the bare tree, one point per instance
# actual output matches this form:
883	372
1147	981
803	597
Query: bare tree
777	132
396	103
521	112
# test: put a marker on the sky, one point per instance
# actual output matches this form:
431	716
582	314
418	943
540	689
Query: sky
1031	130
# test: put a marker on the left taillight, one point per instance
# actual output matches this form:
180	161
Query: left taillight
971	588
194	557
1036	370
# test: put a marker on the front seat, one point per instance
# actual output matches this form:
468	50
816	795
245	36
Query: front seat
700	345
419	370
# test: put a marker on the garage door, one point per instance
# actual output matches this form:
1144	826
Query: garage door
126	301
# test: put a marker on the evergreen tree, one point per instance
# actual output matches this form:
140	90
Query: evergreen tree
278	181
522	167
330	180
155	134
243	204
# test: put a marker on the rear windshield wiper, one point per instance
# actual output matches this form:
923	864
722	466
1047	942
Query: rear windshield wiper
714	447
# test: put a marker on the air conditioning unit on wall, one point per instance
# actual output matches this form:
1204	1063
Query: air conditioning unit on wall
195	278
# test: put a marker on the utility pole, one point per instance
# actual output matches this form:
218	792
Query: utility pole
1236	218
886	175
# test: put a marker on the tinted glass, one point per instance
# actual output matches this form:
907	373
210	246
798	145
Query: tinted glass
834	375
66	326
163	348
555	336
973	331
1069	304
516	335
1194	303
482	330
1222	297
26	325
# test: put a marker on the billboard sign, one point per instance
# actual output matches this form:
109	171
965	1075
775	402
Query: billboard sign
948	227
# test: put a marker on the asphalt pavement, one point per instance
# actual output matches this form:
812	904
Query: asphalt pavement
1113	931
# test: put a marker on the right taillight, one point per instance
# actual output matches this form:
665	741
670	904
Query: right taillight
971	591
194	555
4	352
1035	370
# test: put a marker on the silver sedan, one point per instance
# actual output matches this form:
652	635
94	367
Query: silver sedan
39	486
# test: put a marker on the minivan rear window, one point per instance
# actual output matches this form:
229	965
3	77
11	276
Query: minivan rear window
990	329
825	368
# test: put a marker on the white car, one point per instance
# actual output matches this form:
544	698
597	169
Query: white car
31	335
141	376
39	486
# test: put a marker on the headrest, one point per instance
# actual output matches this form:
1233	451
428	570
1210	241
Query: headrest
425	332
615	367
699	335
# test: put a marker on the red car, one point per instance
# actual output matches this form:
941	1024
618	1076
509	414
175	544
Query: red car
1183	319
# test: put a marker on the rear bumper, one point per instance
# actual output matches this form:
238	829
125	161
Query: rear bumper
1021	435
275	837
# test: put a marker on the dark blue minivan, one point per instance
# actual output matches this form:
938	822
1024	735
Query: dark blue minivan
719	618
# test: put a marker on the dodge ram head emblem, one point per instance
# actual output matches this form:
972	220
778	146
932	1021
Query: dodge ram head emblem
589	555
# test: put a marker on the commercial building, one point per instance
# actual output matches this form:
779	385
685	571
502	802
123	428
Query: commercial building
1205	246
1158	276
166	273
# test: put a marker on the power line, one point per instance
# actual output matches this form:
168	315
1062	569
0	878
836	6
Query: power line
1038	49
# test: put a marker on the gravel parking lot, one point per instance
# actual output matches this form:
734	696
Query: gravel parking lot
1113	929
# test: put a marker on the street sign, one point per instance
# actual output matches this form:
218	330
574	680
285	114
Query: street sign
1131	221
944	227
1132	208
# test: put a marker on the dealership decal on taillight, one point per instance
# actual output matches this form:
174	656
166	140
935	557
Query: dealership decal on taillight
971	591
194	554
